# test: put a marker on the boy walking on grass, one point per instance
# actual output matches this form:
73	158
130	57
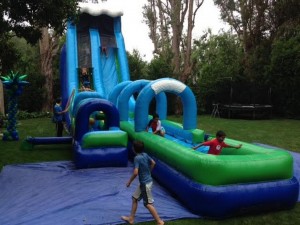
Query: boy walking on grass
143	165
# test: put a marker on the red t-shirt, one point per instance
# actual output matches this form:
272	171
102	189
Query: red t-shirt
155	125
215	147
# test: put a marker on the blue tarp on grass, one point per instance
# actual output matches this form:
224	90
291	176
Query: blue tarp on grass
56	193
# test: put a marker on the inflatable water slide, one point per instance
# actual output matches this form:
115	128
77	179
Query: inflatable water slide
106	119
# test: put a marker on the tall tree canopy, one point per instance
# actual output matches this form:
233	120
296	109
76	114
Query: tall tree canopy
167	20
25	18
257	23
32	21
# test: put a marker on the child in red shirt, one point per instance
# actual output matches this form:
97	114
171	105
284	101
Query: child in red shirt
156	126
216	145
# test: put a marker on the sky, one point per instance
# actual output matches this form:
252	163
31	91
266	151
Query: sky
135	31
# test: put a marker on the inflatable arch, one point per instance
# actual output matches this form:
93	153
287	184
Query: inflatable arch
136	86
114	94
82	116
166	85
81	96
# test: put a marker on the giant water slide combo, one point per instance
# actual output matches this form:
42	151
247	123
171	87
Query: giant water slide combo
251	179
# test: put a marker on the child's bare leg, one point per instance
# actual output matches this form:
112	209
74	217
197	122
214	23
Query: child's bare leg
130	219
155	215
162	132
127	219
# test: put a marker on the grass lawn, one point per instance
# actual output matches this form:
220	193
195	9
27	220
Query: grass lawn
282	133
11	153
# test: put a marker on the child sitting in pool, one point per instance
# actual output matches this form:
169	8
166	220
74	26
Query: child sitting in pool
216	145
155	125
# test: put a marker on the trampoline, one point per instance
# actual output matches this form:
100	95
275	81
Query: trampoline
247	111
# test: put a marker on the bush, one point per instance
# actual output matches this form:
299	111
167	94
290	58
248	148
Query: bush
23	115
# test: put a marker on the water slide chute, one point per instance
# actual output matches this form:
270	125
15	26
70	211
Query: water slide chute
96	42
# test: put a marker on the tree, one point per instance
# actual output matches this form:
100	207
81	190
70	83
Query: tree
159	67
257	24
26	18
137	66
269	33
217	65
250	20
49	46
9	54
28	62
166	20
284	72
284	17
33	21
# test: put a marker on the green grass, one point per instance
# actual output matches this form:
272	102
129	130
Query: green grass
281	133
11	153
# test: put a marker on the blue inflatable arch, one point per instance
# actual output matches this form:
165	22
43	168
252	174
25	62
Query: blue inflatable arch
114	94
132	88
166	85
84	111
80	97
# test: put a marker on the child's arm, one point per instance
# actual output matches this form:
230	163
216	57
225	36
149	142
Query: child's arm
237	147
197	146
149	125
133	176
152	164
155	132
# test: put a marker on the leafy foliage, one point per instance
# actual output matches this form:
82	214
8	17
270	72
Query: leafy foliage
24	115
269	34
217	60
29	63
171	25
8	54
159	67
25	18
285	74
137	66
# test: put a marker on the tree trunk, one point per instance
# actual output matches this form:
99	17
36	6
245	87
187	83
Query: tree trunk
177	18
48	49
1	99
188	48
150	13
171	16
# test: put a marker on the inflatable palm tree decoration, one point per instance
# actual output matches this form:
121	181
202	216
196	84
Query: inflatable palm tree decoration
14	83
